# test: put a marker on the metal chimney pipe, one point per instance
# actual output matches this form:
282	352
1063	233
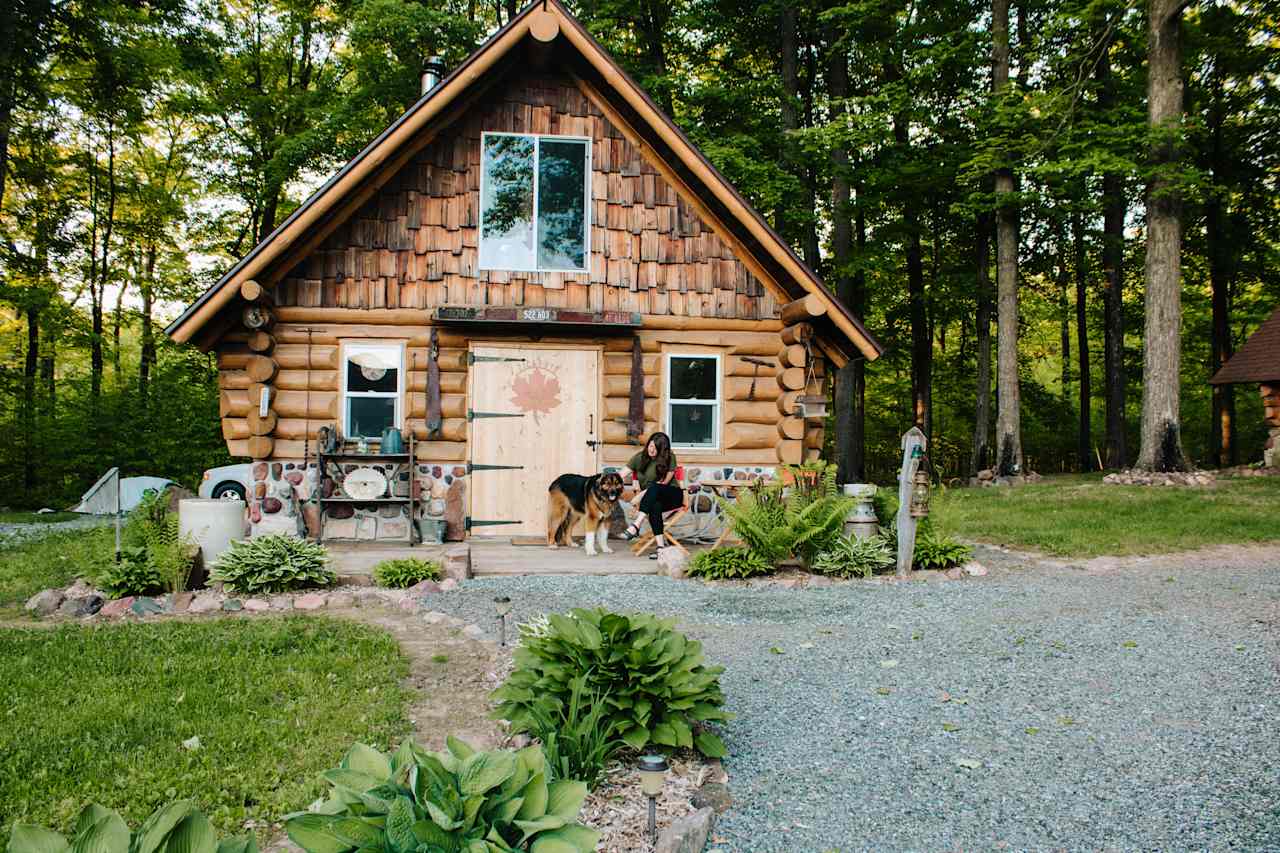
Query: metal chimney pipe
432	71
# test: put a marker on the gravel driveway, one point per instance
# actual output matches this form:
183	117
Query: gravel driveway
1117	705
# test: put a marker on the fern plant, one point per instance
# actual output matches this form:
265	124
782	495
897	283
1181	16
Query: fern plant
777	520
759	518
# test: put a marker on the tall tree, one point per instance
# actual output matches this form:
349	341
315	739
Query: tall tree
1084	435
1009	403
982	457
1113	216
1160	447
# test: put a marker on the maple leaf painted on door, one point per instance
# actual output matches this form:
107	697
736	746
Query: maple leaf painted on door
535	391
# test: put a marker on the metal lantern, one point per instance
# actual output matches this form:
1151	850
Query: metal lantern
920	492
811	406
653	773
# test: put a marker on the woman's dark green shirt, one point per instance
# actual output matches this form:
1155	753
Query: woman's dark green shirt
646	467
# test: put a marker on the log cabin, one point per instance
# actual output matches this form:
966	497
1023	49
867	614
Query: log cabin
527	273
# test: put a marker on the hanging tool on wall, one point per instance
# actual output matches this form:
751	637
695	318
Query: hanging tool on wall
635	405
434	419
757	363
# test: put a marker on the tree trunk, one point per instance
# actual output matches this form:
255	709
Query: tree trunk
1064	309
1160	447
812	254
1008	408
1113	216
789	45
98	294
1085	441
982	341
1221	274
921	340
849	419
29	371
147	358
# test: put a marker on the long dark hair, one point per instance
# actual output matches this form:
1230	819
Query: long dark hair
661	443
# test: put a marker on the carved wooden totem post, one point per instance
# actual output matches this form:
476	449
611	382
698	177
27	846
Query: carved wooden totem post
913	447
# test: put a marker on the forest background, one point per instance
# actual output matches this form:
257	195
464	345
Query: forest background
930	160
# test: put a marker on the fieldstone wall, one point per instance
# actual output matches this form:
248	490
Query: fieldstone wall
1271	415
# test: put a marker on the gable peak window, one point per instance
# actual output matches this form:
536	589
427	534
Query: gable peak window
534	202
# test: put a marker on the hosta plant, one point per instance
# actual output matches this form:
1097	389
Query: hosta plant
405	572
458	800
175	828
936	551
655	685
272	563
728	562
849	556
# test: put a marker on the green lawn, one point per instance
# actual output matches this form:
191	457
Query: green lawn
1079	516
54	560
101	714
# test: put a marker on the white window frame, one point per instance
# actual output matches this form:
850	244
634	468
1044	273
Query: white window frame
350	348
717	403
586	202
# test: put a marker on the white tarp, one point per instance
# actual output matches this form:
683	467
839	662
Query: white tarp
101	497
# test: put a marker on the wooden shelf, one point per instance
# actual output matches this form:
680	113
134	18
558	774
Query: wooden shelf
403	500
373	456
394	460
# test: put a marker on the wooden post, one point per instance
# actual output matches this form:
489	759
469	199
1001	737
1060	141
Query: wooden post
913	447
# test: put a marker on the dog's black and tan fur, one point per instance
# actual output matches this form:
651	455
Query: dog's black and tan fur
573	496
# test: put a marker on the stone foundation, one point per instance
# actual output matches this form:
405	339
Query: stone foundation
1271	416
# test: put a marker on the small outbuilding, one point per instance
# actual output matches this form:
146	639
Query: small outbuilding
1259	361
528	272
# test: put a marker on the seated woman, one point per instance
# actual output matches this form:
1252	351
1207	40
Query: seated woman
654	468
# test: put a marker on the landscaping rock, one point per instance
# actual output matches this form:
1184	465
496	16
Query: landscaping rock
232	605
89	605
954	573
46	602
424	587
182	601
457	562
68	607
281	602
448	584
144	606
118	607
341	599
409	603
205	602
974	569
256	605
81	589
310	601
1134	477
817	581
474	632
672	562
434	617
688	834
455	511
714	796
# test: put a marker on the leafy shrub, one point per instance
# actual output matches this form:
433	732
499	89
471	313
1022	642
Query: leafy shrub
577	744
734	562
778	520
935	551
135	574
404	573
849	556
653	680
454	800
273	563
178	827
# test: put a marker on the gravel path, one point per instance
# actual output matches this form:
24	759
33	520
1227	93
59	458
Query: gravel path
12	534
1114	704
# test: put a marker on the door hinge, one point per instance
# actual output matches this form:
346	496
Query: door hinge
486	522
472	358
472	415
479	466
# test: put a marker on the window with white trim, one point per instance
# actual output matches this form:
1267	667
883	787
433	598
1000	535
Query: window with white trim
693	401
372	388
535	202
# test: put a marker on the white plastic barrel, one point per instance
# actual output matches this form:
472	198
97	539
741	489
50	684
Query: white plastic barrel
211	524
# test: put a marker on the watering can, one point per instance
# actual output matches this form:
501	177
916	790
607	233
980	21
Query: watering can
392	441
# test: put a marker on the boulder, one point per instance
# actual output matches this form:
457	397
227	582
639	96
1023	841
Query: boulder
281	602
46	602
712	795
182	601
232	605
144	606
448	584
256	605
672	562
310	601
455	511
473	632
342	599
68	607
688	834
118	607
457	562
205	602
89	605
974	569
424	588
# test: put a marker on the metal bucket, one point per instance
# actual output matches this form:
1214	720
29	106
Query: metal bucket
861	521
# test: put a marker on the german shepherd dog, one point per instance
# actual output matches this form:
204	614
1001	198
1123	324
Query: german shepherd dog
573	496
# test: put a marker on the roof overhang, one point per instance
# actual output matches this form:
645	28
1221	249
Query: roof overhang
547	23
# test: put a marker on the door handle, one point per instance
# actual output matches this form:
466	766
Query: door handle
591	423
593	444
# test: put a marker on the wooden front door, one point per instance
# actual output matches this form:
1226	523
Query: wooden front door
534	408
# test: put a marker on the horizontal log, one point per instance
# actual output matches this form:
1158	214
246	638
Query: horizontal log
235	428
790	429
793	378
260	446
449	359
233	403
450	383
765	387
613	432
737	343
803	310
618	364
237	379
618	385
751	411
261	341
302	380
451	429
619	453
619	407
794	355
261	368
415	334
790	452
301	357
743	436
256	316
303	404
437	451
409	317
451	406
814	436
259	425
798	334
787	402
251	291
